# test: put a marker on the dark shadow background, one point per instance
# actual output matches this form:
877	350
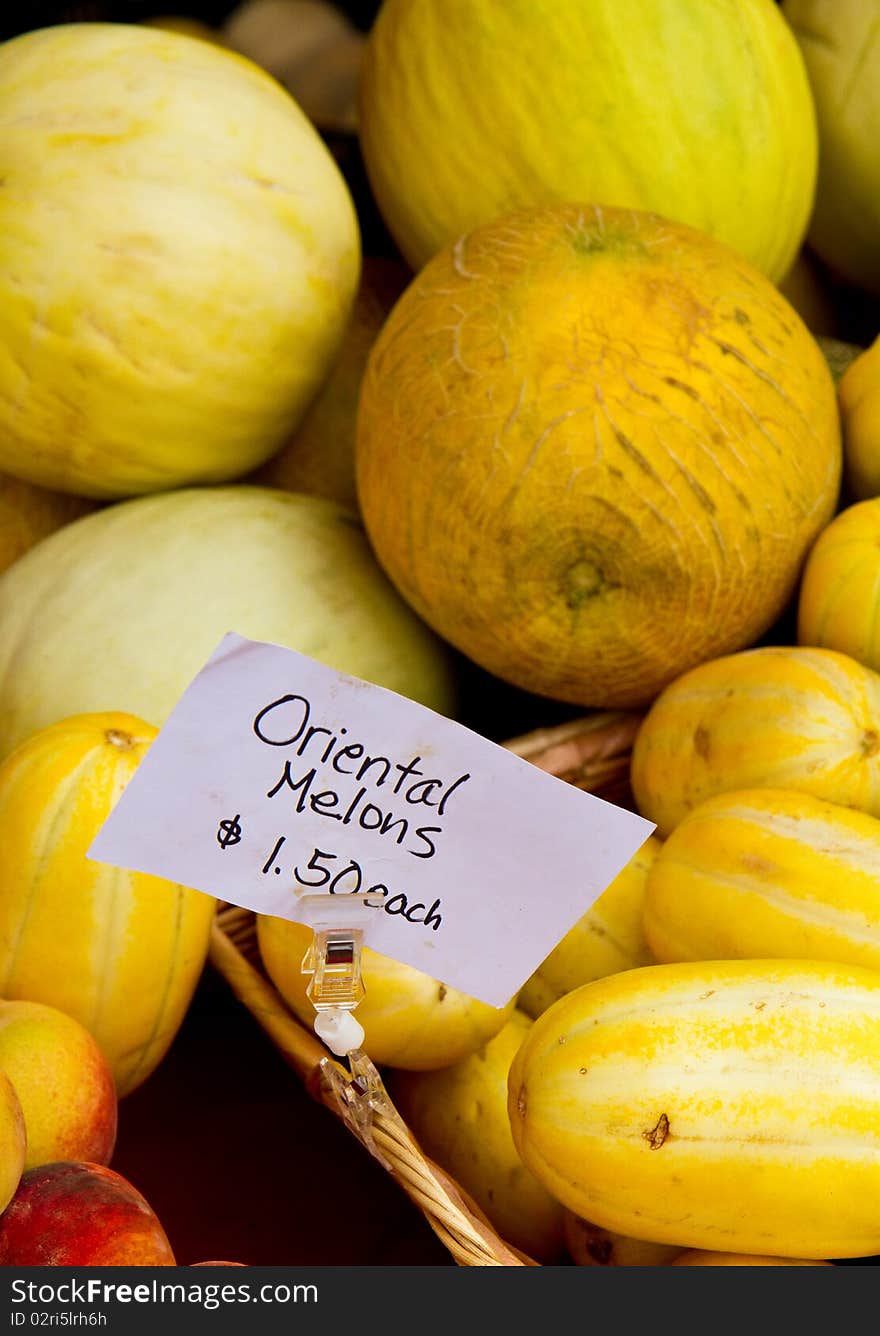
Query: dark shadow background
22	18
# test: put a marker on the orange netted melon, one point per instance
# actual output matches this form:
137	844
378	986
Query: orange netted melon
593	449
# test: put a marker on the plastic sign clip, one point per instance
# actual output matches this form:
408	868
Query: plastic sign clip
334	962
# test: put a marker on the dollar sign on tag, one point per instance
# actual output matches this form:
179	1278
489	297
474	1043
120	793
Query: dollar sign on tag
229	832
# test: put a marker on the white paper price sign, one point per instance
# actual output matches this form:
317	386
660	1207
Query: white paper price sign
276	777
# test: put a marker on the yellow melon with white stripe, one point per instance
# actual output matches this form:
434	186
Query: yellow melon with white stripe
767	872
410	1020
727	1105
607	938
119	951
839	604
776	717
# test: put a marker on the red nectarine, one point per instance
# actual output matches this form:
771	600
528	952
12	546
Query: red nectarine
77	1214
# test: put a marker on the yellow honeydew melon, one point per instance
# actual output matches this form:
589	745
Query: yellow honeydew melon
121	609
180	253
698	111
410	1020
119	951
458	1115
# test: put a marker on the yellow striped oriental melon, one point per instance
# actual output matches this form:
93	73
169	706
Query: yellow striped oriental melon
767	872
730	1105
775	717
119	951
839	603
410	1020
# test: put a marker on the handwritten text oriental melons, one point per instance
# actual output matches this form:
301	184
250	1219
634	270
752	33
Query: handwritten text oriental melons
404	787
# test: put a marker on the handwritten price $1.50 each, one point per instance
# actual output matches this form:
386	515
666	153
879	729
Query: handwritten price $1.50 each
348	879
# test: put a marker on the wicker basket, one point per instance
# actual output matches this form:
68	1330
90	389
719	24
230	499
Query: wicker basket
591	753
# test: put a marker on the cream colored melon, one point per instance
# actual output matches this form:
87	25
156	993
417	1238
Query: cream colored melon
121	609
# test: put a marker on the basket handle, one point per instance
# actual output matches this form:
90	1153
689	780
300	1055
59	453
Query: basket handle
454	1217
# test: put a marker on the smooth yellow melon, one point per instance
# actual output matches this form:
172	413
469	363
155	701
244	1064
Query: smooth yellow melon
698	111
180	253
458	1115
